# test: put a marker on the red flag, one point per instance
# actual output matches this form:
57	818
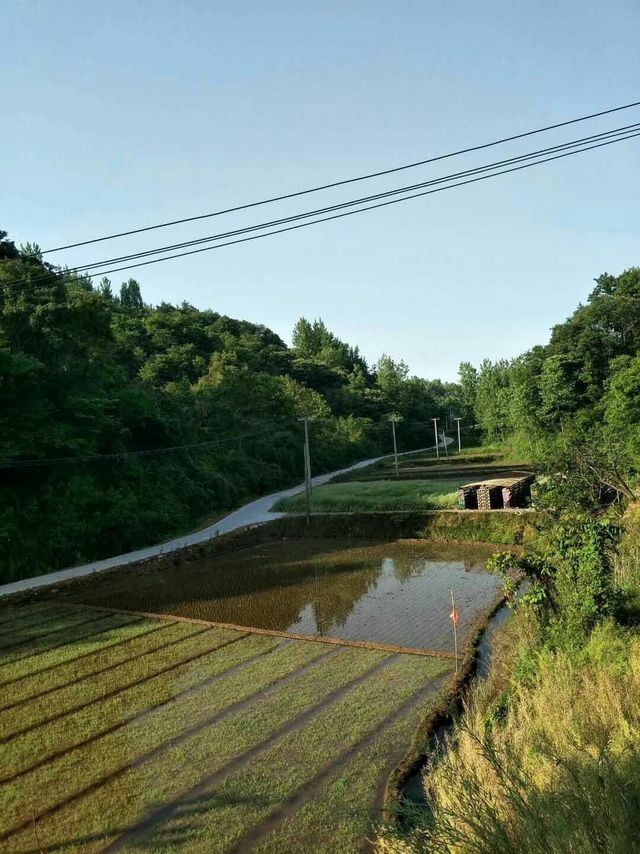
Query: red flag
453	616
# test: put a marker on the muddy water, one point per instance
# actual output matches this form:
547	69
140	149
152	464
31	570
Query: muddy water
413	791
395	593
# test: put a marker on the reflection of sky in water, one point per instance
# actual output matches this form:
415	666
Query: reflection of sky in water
397	593
410	605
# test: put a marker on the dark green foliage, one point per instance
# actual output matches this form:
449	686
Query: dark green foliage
576	403
546	387
87	372
570	572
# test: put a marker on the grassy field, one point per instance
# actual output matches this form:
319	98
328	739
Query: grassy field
127	733
435	494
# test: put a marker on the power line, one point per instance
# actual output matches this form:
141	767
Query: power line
34	463
357	211
616	132
152	452
345	181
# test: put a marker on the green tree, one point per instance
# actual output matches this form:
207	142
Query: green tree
468	381
493	398
130	294
558	389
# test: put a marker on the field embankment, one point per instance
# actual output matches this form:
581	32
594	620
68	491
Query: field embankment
470	464
495	527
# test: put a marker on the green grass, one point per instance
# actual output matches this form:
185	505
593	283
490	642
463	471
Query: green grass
377	495
488	527
496	455
103	632
214	736
485	454
385	468
545	757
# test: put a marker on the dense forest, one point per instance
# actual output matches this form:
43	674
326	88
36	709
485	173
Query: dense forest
122	423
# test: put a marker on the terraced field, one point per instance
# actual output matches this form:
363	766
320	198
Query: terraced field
126	733
361	496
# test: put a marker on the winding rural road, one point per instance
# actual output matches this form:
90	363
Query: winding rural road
250	514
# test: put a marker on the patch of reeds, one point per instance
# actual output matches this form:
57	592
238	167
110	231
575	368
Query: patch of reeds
545	758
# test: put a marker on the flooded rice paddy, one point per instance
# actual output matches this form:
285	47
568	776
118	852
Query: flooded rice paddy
394	593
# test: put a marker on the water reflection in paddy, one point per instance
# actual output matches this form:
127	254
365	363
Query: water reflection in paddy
384	592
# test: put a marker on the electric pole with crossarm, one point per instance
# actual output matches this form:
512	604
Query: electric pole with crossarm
435	433
395	419
307	465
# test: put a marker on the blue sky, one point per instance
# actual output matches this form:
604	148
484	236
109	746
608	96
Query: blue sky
122	114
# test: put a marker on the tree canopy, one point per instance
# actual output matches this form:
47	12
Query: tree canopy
122	423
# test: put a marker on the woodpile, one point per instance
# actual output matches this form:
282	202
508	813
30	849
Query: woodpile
496	494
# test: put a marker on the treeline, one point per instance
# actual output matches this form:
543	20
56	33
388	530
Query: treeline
122	423
575	402
545	756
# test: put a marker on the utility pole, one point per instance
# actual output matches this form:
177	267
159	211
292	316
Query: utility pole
446	446
459	442
307	466
435	432
395	419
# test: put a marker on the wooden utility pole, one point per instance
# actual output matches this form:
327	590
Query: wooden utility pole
395	419
458	420
307	466
435	433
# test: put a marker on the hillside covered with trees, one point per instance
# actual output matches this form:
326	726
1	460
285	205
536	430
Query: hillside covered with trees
122	423
574	404
545	754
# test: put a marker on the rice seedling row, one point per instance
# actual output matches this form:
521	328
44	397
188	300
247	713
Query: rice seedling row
147	644
111	738
96	719
293	763
83	640
30	681
344	810
27	648
244	661
79	696
39	625
150	731
17	614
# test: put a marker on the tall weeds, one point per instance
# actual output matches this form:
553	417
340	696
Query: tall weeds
545	759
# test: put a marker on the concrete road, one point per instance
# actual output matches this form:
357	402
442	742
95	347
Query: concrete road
250	514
